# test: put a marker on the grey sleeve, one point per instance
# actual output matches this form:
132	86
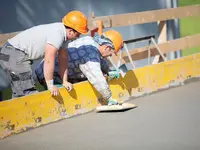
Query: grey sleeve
92	70
56	38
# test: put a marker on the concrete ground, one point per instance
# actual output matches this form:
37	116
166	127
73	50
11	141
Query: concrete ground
168	120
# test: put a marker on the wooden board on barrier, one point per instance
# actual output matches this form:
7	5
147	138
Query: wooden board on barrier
115	108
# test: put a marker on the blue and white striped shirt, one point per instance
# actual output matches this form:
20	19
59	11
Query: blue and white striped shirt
85	61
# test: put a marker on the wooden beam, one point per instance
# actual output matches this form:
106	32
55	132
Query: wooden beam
170	46
5	37
133	18
162	28
146	16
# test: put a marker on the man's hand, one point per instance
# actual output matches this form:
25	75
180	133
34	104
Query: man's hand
68	85
49	60
114	74
112	101
54	90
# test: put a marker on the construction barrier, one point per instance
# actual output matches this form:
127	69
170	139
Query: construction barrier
28	112
22	114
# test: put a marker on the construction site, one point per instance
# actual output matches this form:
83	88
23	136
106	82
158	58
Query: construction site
155	75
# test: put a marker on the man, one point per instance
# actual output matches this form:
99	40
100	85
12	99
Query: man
46	40
86	61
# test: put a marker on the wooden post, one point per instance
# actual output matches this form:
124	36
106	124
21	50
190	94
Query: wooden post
162	38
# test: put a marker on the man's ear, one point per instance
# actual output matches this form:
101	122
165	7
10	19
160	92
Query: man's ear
70	30
105	47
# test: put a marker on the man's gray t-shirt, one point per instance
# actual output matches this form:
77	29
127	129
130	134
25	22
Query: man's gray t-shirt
32	41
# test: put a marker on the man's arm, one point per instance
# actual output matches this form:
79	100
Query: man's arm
92	70
63	64
49	61
53	44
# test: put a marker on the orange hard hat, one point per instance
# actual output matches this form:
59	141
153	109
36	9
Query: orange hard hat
116	39
77	21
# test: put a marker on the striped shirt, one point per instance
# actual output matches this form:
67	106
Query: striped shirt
85	62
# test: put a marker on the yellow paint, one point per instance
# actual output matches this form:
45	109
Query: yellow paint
20	114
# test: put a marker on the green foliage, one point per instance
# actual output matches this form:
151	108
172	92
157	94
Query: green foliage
189	26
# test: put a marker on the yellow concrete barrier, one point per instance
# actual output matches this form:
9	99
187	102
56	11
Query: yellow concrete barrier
31	111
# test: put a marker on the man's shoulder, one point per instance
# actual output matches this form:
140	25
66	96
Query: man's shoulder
44	29
54	24
83	41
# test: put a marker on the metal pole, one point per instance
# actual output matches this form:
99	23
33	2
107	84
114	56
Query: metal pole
176	28
173	28
129	56
149	53
1	97
120	57
113	64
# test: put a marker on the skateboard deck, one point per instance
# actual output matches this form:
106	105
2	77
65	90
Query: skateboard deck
114	108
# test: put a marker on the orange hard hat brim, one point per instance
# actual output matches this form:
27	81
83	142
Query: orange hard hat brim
83	32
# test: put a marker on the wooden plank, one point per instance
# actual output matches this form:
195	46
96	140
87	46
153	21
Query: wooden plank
146	16
133	18
5	37
170	46
162	28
